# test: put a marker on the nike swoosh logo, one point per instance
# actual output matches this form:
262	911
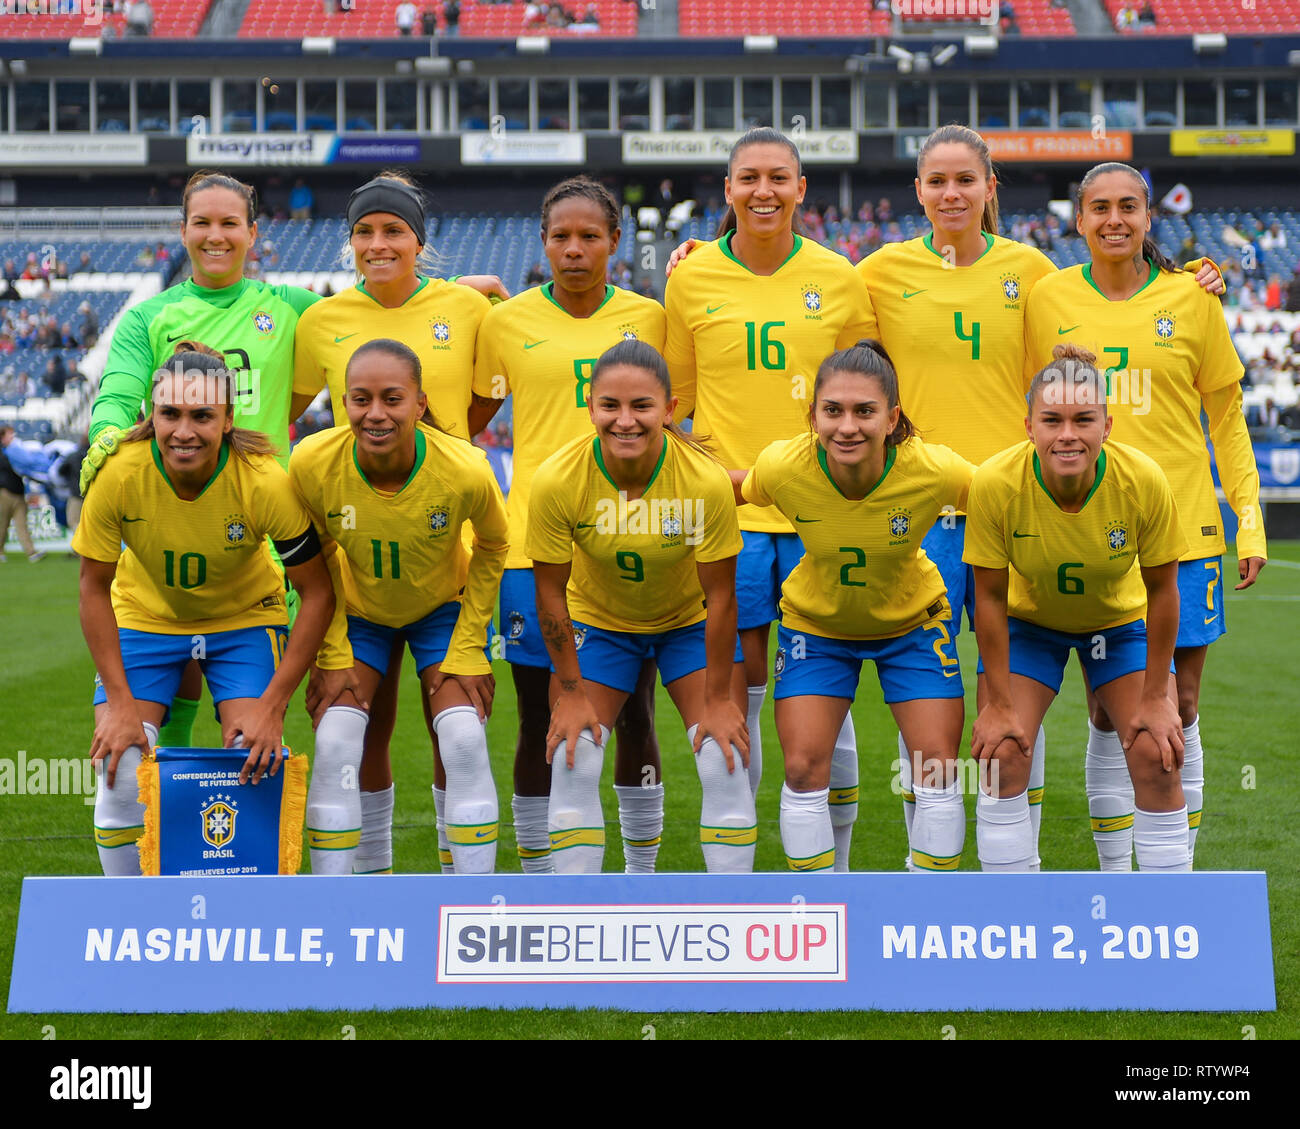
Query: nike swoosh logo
584	525
533	344
294	548
482	834
1209	619
345	337
1017	533
950	674
715	309
1059	330
730	835
172	340
564	838
330	515
914	293
805	520
803	866
135	519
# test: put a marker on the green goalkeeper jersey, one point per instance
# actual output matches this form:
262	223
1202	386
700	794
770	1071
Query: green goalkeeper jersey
251	323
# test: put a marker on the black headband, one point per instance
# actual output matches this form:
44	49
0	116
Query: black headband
384	194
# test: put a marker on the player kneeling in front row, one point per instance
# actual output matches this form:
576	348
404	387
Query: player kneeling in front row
193	498
1072	539
863	491
392	491
638	521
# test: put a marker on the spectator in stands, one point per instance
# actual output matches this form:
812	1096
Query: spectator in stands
620	274
451	16
84	264
67	338
13	502
405	16
536	275
893	233
139	17
535	13
591	17
429	23
89	325
10	292
60	269
884	211
1126	19
56	375
301	200
1273	239
145	258
1273	293
31	268
1146	16
1270	416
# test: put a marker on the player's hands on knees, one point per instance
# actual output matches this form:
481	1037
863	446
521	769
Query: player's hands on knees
480	689
723	721
1248	570
1159	717
680	252
115	732
994	725
570	715
259	729
489	285
326	687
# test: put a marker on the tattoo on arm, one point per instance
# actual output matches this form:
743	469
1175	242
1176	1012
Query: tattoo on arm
555	629
568	685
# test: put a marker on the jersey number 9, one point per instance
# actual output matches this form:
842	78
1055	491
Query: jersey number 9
632	566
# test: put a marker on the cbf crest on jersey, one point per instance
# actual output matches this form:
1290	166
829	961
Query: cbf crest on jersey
439	519
670	523
236	530
1165	326
900	524
516	625
579	637
264	323
1117	536
779	667
627	331
812	301
199	820
1011	289
440	329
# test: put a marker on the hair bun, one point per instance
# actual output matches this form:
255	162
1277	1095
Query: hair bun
1071	352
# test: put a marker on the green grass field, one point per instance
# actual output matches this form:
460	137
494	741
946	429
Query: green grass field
1249	725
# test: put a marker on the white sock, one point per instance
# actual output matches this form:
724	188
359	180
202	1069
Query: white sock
752	715
1003	835
1160	838
1110	799
728	823
909	797
471	794
844	791
641	820
939	828
119	817
375	850
806	831
532	834
334	795
445	861
1037	770
1193	782
576	822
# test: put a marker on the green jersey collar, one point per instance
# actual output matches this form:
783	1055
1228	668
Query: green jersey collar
548	287
928	242
1087	277
1096	482
891	453
219	296
421	283
725	244
222	459
419	460
600	462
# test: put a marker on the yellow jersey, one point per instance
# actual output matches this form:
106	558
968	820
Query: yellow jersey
633	561
863	574
533	349
743	349
1165	352
191	567
403	552
439	322
956	337
1074	572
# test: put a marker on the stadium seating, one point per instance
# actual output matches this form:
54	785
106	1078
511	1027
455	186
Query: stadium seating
173	19
374	19
1185	17
856	17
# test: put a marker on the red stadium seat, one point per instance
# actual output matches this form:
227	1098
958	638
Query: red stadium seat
173	19
1188	17
375	19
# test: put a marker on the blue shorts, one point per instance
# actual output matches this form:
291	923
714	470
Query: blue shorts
1041	654
236	664
428	638
615	658
764	563
920	664
944	547
524	645
1200	602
